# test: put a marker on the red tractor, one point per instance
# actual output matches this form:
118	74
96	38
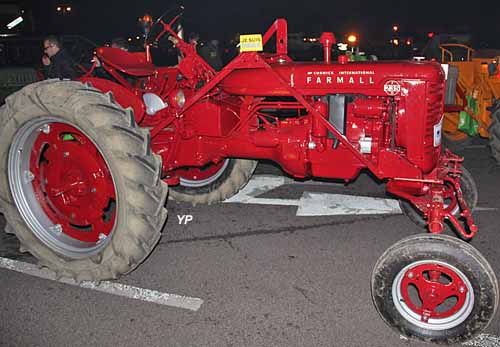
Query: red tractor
86	165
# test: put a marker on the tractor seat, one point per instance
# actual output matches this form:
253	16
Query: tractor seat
131	63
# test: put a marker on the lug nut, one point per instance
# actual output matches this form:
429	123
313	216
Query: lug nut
410	274
461	290
45	129
311	145
56	228
29	177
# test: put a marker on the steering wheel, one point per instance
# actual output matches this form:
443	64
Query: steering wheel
162	28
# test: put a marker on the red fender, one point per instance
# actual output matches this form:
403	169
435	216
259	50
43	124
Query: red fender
122	95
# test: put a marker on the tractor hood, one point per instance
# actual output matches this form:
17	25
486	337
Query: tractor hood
380	78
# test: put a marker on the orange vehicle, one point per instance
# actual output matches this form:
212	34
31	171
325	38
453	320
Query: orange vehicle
472	103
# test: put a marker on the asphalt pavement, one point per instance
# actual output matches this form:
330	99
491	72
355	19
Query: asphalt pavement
266	276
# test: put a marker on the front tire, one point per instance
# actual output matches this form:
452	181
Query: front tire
79	184
435	288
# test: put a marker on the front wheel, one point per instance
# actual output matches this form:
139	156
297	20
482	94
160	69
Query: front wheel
435	288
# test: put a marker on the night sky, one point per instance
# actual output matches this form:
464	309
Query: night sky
101	20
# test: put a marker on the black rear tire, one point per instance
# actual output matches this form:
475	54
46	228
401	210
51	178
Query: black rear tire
140	193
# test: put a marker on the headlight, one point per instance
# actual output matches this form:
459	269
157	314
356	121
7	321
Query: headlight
180	99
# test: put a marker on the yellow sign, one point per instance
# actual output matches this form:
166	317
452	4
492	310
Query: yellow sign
251	43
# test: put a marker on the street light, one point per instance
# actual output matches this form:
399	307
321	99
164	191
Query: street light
395	27
352	39
64	9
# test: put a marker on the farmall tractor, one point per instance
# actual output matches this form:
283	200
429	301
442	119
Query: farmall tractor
86	165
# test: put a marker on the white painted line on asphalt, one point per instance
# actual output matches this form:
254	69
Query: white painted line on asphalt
313	204
477	209
258	185
318	204
484	340
322	204
114	288
279	202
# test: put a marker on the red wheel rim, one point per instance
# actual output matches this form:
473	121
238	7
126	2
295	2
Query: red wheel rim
73	184
201	176
435	285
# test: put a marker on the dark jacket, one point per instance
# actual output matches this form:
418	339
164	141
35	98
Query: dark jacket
212	55
61	66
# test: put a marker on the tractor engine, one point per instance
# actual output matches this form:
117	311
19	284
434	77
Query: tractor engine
396	123
382	109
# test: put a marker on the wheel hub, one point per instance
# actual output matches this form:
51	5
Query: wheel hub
428	280
73	180
63	186
433	295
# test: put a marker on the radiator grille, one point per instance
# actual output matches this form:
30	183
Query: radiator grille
434	109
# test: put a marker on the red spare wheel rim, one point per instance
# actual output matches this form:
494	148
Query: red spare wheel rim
433	295
62	186
194	177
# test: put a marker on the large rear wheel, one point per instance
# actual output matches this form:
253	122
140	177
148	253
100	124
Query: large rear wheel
79	185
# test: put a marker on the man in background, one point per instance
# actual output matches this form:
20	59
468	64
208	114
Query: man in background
212	54
57	63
